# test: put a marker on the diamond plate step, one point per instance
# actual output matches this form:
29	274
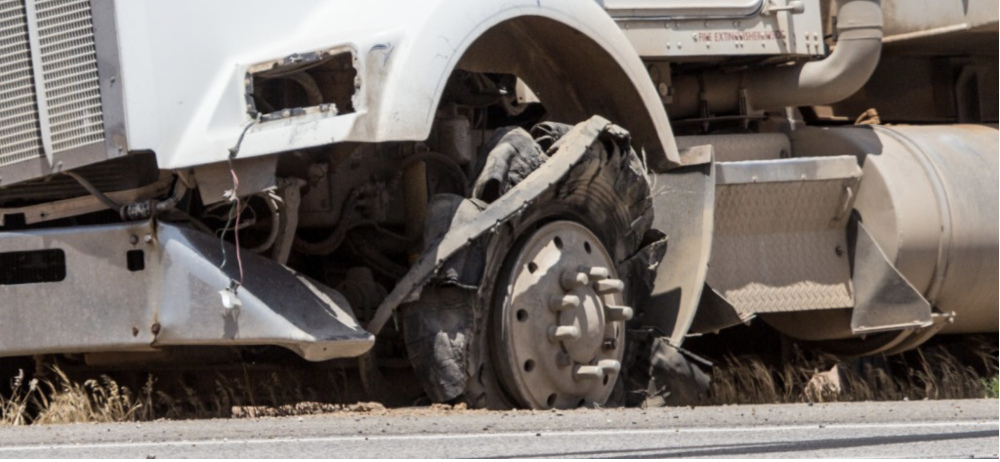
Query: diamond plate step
780	243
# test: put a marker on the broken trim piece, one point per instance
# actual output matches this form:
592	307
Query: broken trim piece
165	296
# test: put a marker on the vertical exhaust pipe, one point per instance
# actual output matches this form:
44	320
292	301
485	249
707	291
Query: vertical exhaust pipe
840	75
827	81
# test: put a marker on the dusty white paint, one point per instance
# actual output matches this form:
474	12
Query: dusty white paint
184	63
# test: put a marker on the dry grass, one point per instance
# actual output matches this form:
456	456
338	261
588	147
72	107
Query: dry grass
62	400
927	373
14	410
96	400
275	395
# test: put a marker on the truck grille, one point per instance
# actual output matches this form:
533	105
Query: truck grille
69	61
20	138
56	54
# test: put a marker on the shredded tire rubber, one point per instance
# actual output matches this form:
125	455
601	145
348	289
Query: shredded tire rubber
448	329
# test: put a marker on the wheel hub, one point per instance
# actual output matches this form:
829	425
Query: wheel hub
563	319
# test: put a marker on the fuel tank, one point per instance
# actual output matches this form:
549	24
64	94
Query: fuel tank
925	237
929	198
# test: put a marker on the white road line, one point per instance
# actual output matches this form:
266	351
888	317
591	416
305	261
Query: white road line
526	434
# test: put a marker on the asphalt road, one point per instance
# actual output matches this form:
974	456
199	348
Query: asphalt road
899	429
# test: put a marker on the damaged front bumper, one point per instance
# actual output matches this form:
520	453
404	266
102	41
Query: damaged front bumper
143	286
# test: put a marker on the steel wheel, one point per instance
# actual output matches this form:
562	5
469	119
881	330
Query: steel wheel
541	322
561	319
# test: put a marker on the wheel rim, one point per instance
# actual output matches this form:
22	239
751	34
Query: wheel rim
562	320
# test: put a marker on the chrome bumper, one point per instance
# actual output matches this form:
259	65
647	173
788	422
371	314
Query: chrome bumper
142	286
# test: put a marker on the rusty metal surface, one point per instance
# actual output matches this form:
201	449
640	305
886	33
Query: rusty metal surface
173	301
779	241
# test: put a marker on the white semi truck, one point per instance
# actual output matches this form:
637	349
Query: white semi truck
502	194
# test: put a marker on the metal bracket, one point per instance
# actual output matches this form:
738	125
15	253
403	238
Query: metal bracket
884	299
793	7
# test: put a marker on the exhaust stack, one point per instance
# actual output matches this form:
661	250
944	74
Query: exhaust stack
841	74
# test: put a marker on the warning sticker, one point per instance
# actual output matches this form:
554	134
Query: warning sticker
742	36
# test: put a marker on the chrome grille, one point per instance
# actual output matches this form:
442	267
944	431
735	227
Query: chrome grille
50	99
69	64
20	138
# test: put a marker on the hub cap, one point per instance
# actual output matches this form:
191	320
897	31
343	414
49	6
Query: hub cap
563	320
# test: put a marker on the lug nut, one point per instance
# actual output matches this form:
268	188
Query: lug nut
617	313
609	366
608	286
588	372
572	279
596	273
563	333
559	303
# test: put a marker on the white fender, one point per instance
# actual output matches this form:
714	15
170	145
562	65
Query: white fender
184	63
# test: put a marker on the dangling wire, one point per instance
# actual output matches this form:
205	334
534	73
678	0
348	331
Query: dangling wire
230	218
222	235
234	213
236	210
236	232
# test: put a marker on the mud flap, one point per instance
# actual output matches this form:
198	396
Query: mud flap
683	209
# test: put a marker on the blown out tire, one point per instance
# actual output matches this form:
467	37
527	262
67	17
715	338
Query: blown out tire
502	339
